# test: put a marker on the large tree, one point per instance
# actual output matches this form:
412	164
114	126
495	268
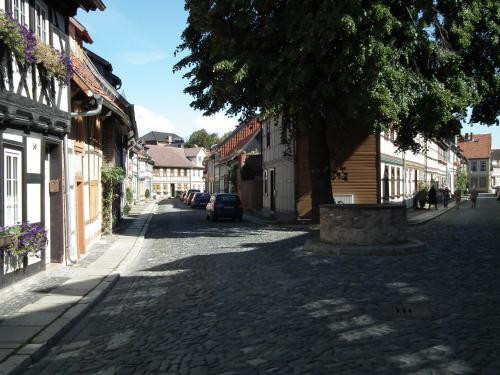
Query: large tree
203	139
412	66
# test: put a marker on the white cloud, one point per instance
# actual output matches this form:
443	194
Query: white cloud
144	57
147	121
217	123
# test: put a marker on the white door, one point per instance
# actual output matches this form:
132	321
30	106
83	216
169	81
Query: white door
12	187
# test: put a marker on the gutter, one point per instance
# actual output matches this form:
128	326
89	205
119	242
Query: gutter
70	253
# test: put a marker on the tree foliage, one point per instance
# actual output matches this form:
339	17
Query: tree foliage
203	139
412	66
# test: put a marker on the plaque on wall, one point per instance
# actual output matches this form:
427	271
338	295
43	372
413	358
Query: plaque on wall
54	186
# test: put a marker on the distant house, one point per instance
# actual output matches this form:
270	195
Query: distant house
226	169
173	172
477	149
246	137
165	139
495	170
139	177
196	155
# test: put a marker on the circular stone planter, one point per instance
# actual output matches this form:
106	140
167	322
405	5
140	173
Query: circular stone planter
362	224
363	229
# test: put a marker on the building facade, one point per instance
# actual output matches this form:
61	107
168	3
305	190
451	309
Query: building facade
278	172
366	169
36	118
477	149
173	172
495	168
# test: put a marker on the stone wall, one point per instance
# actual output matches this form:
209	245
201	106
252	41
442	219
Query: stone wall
362	224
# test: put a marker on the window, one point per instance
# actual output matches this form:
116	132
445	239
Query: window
482	165
41	21
473	165
19	11
12	187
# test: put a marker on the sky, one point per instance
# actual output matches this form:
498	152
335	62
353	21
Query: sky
140	40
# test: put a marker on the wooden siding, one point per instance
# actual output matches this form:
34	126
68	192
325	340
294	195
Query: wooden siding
357	153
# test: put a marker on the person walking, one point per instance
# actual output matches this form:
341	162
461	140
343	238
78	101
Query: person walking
473	197
446	196
432	195
457	194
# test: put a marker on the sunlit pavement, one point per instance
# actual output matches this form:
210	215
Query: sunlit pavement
237	298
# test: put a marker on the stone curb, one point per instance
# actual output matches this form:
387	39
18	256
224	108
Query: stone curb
406	248
424	221
42	341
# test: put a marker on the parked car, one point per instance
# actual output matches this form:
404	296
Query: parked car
189	192
190	197
200	200
182	196
497	192
224	205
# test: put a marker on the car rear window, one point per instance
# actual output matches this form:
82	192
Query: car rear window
228	198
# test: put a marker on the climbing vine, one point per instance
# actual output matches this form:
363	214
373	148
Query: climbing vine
111	178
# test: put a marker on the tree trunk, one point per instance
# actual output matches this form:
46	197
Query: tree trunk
319	163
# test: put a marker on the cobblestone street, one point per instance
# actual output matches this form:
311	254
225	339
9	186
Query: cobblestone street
238	298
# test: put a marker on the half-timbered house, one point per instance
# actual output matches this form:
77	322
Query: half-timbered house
34	122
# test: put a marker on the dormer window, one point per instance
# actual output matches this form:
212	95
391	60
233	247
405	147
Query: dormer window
19	11
41	21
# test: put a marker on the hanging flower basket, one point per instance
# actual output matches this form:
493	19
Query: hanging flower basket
29	49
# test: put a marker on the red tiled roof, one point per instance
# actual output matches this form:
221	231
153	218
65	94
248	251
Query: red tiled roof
83	73
169	157
477	147
237	140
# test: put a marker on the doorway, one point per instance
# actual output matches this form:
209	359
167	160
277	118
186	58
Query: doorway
172	190
54	219
80	220
272	190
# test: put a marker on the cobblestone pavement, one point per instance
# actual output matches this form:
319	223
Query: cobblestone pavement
234	298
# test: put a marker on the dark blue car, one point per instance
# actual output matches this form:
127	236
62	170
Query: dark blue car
224	205
200	200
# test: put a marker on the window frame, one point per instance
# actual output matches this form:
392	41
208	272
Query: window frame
21	8
10	152
473	165
41	28
482	163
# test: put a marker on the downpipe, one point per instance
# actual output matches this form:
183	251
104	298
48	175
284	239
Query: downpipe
70	250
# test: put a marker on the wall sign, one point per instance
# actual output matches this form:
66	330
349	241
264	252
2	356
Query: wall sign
33	153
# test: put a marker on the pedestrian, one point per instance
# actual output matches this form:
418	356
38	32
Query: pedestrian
432	195
457	194
446	195
473	197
